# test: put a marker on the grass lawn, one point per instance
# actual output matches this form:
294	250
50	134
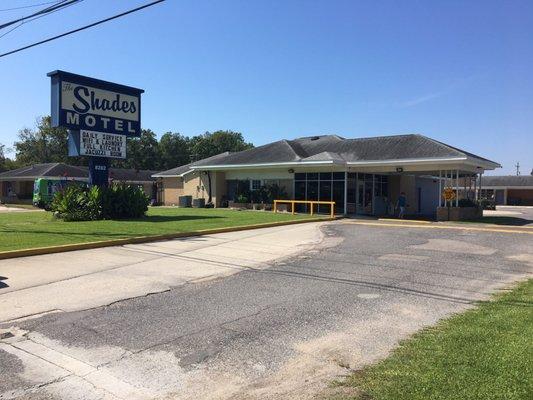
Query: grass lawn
26	230
485	353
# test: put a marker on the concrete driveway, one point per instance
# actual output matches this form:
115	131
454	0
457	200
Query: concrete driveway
282	329
522	215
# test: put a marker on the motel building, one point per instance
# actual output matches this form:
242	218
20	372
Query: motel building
362	176
510	190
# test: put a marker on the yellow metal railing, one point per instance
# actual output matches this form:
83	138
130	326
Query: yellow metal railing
311	203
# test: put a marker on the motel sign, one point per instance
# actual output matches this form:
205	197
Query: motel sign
99	116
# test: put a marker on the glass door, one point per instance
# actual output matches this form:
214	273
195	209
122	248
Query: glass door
365	195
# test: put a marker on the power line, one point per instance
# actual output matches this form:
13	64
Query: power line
39	16
81	29
61	4
29	6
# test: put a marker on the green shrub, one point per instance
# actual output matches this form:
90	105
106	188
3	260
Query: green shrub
467	203
76	203
487	204
80	203
242	199
124	201
275	192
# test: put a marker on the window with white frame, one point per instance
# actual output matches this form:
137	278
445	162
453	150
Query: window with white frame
255	184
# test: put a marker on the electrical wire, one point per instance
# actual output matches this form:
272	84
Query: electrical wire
28	6
59	5
81	29
34	18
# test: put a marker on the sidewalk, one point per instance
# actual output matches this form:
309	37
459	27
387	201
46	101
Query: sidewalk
85	279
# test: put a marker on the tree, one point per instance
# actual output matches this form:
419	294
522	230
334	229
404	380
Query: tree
210	144
2	158
173	150
141	152
6	163
43	145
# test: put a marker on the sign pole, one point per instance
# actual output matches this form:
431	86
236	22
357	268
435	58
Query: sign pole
99	171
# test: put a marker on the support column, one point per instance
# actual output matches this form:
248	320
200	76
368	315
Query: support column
445	186
345	192
356	193
480	175
98	171
456	188
440	189
373	192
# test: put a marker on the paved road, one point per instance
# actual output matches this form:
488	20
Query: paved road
281	332
84	279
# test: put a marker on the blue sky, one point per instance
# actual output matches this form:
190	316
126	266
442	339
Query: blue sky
458	71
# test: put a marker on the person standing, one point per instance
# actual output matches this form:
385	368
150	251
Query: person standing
401	204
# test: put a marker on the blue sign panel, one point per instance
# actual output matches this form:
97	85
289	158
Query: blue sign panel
83	103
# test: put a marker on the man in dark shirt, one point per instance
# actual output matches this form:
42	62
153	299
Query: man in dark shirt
402	203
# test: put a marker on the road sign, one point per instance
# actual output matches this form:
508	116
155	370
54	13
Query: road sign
448	194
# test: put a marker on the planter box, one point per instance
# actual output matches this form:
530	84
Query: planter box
459	213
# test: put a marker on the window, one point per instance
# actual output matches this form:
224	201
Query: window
255	184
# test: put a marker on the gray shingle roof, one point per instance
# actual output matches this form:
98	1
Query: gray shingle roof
45	170
183	169
333	147
131	175
507	180
55	170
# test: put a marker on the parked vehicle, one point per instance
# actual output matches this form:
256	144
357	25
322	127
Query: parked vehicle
45	189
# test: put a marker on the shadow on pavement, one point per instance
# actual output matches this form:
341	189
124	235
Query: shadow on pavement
503	220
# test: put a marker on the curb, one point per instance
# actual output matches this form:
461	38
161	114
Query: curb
146	239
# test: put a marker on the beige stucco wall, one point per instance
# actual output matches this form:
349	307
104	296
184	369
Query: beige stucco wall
219	187
172	189
195	184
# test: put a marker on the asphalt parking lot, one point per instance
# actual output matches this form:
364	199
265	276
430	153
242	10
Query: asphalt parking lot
284	330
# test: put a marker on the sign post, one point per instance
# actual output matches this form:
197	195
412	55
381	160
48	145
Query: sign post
449	195
99	116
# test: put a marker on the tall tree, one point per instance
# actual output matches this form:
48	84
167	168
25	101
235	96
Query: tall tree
141	153
210	144
173	150
2	158
6	163
44	144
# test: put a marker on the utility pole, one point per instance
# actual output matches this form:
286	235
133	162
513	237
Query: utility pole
517	168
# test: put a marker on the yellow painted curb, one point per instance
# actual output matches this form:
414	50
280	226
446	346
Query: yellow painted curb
145	239
435	226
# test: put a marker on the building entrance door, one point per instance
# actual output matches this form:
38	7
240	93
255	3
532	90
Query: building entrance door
364	197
